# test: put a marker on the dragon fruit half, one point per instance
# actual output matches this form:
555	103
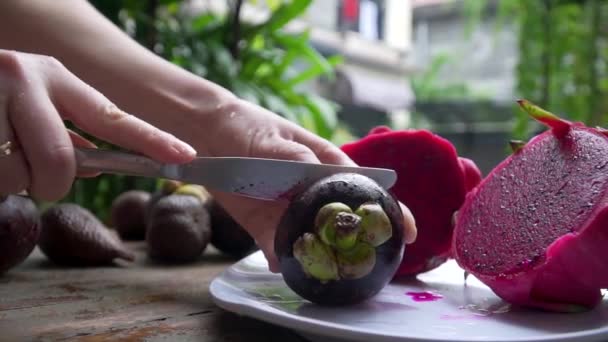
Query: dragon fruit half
431	181
535	230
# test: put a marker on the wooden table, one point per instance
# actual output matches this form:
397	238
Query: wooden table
139	301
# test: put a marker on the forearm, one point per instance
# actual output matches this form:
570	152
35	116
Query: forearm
102	55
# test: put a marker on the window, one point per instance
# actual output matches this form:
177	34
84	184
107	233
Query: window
363	16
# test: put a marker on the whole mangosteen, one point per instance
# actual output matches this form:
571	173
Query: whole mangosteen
341	240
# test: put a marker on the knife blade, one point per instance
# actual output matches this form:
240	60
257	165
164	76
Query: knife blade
267	179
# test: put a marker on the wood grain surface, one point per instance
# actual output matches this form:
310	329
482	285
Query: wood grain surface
140	301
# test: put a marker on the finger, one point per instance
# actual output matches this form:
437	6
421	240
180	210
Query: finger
278	148
95	114
411	232
79	141
260	224
45	143
325	151
14	173
6	130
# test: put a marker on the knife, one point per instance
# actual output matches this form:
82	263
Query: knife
266	179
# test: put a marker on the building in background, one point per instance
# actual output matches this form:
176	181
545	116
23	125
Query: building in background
470	100
375	39
389	45
483	59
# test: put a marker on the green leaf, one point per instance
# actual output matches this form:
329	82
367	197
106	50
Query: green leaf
315	71
245	91
286	13
299	44
306	119
323	115
273	4
203	21
277	105
222	59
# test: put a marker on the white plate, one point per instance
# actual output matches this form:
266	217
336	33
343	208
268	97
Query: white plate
455	312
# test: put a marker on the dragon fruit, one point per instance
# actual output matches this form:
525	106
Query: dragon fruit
431	181
535	230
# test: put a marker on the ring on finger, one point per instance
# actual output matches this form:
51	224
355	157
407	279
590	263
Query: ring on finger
6	148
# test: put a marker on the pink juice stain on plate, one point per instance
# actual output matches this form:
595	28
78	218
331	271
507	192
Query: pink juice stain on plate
424	296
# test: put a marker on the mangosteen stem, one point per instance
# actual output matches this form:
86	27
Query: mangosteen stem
347	227
316	258
375	225
558	124
325	221
516	145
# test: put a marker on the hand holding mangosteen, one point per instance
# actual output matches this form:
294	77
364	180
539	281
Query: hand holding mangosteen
341	240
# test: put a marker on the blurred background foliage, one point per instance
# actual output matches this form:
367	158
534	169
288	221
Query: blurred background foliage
563	56
260	62
562	64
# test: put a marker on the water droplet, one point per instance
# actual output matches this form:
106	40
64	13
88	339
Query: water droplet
232	115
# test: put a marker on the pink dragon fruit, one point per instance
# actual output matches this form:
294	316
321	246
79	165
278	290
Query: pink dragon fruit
535	230
431	181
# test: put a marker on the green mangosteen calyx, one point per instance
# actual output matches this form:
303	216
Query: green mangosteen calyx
376	225
326	219
342	244
357	262
316	258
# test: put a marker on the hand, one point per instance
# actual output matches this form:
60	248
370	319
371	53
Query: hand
36	94
238	128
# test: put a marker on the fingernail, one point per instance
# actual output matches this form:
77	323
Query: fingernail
185	149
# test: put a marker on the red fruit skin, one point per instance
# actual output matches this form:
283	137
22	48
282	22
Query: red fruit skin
572	271
472	174
431	182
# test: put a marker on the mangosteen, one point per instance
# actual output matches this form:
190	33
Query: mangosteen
178	229
19	230
341	240
128	214
72	235
228	236
167	187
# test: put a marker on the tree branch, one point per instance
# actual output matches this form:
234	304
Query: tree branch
236	29
151	34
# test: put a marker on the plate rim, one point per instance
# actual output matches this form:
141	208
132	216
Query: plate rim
269	314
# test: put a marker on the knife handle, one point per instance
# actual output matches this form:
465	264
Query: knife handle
116	162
